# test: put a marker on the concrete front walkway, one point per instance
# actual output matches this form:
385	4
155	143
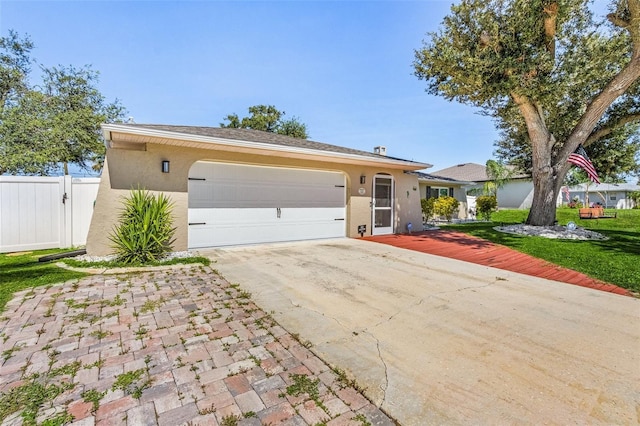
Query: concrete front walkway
440	341
169	347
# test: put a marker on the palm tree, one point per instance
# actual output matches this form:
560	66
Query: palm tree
499	175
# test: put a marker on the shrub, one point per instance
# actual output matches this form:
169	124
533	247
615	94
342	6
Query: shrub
446	206
485	205
635	197
144	232
427	208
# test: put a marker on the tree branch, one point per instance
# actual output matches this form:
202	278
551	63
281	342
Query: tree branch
537	130
596	109
617	21
550	23
540	112
632	24
596	135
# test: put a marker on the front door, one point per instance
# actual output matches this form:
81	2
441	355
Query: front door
382	204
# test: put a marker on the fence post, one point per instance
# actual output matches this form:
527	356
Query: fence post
67	201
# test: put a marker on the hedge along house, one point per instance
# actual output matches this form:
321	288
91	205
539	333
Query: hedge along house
434	186
239	186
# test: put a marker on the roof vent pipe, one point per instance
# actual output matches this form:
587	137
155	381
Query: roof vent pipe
380	150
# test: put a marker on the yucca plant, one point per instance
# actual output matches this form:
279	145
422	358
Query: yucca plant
144	232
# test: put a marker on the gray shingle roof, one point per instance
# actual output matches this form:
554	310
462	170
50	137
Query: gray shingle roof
260	137
470	172
440	179
467	171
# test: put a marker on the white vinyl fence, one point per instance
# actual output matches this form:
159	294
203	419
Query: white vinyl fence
45	212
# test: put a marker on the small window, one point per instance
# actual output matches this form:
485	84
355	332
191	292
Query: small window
435	192
612	197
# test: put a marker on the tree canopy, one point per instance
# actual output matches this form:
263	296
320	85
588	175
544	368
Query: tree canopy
551	76
51	125
268	119
615	156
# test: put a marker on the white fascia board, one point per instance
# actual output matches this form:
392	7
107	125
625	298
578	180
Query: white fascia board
108	128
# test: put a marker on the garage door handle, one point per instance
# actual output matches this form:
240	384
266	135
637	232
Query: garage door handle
197	223
339	218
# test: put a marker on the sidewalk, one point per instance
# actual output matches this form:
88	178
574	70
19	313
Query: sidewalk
460	246
167	347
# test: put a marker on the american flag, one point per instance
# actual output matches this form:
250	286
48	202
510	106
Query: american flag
579	158
565	191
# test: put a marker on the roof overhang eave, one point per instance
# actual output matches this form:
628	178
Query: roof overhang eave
210	142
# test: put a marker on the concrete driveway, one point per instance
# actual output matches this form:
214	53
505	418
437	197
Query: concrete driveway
435	340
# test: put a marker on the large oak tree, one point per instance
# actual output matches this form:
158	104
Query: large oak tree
268	119
547	66
50	125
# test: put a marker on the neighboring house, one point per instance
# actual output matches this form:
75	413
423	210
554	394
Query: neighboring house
240	186
433	186
610	195
517	193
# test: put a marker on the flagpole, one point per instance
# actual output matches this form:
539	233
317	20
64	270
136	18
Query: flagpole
586	196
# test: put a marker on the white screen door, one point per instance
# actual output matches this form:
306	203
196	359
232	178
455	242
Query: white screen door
382	204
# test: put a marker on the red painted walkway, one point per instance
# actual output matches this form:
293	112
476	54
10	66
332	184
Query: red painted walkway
457	245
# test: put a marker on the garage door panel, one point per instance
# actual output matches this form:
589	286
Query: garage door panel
224	227
240	186
251	226
232	204
308	224
215	195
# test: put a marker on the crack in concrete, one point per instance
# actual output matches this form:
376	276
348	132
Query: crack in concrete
317	312
384	386
394	315
435	295
468	288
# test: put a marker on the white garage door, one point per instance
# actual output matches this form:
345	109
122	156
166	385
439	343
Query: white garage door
232	204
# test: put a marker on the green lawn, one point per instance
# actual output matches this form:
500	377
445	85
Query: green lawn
616	260
24	271
18	272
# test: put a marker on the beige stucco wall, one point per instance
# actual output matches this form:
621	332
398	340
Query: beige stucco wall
127	169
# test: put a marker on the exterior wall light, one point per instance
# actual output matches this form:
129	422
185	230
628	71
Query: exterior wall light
165	166
363	179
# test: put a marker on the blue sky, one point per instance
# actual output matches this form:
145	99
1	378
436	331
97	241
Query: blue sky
341	67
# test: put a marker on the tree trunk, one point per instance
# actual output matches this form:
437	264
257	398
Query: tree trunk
546	175
547	180
543	207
